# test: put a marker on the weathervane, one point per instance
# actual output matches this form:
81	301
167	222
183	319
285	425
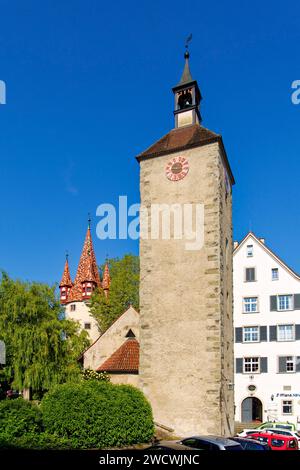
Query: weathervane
188	39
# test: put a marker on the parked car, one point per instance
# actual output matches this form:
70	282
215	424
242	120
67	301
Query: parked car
251	444
168	447
281	431
276	441
269	425
211	443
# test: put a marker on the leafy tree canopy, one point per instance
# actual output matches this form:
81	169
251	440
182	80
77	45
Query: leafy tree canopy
41	346
124	290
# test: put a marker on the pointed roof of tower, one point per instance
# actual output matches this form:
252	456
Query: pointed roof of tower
106	277
186	76
87	269
66	280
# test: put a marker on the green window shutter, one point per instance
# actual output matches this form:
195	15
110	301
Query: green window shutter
297	302
273	303
263	333
239	365
273	333
239	335
297	331
298	364
282	364
263	365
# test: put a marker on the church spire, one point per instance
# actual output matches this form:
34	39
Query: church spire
87	276
187	97
186	76
65	283
106	279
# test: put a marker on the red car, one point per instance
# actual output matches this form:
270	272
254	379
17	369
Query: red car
276	441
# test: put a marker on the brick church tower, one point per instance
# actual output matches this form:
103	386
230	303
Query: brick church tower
186	335
76	295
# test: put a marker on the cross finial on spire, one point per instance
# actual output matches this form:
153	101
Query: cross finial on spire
67	255
89	220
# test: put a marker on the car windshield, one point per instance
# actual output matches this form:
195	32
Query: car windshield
284	426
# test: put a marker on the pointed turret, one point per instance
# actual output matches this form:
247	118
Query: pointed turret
65	283
187	98
186	76
106	280
87	276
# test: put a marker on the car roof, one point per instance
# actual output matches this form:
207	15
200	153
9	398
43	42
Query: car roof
172	445
213	439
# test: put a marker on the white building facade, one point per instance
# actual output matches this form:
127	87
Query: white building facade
267	335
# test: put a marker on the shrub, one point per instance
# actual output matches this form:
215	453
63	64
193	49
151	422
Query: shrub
18	417
35	441
98	414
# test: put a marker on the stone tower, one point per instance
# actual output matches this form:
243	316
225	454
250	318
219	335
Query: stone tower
186	360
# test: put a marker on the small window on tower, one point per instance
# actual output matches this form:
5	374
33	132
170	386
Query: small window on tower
87	326
73	308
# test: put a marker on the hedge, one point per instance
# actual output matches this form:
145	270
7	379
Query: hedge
93	414
19	417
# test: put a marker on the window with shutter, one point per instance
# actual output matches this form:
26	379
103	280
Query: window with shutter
239	365
297	301
273	333
239	335
250	274
263	365
273	303
263	333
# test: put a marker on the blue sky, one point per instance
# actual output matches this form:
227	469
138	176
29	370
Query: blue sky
89	87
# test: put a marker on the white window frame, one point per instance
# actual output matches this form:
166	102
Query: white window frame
252	340
255	273
283	403
285	309
294	365
244	365
244	304
275	278
249	249
293	330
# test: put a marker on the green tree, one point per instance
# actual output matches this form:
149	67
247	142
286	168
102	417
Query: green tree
124	290
42	347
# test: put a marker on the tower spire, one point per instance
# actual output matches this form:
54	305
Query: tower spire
66	282
87	276
187	96
106	279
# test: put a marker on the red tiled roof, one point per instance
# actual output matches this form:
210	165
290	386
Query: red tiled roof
66	280
106	278
124	359
183	138
87	269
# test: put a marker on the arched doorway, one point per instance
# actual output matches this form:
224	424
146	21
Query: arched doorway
251	410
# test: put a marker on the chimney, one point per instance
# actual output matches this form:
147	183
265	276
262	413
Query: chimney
235	244
262	240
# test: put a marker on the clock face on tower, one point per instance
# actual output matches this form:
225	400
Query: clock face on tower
177	168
